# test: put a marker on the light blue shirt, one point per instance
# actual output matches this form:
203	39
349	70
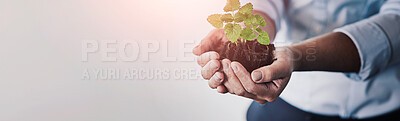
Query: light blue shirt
373	26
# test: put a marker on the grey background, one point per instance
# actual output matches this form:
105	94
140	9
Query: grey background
41	67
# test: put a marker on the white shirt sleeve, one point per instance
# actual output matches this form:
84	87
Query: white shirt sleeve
377	40
273	8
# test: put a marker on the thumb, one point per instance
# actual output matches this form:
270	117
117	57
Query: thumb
209	43
202	48
276	70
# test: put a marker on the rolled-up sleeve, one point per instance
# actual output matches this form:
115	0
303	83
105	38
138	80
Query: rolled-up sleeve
377	40
273	8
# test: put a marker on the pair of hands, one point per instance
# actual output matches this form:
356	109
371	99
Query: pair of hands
263	85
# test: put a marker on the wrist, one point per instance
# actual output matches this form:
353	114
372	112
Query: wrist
295	57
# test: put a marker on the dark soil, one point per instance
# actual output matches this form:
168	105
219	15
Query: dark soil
251	54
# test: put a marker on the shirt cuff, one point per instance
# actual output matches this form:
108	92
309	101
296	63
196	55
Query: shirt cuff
373	47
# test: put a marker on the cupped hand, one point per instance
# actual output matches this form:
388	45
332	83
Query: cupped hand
264	84
267	82
214	41
209	58
213	71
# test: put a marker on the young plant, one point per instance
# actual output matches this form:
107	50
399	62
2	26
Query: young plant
234	16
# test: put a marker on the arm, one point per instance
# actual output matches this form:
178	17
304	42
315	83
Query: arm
377	40
331	52
366	47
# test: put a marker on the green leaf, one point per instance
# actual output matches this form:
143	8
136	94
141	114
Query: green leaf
227	17
215	20
232	31
260	20
239	17
246	9
254	27
258	29
263	38
250	20
248	34
232	5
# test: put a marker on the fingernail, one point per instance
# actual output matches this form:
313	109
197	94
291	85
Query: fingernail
219	78
226	65
219	89
195	49
213	65
234	68
256	75
213	56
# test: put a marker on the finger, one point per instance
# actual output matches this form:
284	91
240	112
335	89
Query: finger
210	68
245	79
216	80
233	82
276	70
275	88
281	82
254	97
261	101
265	91
222	89
204	58
227	87
208	43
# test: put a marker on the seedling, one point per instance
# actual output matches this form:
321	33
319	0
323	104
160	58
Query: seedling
242	46
234	16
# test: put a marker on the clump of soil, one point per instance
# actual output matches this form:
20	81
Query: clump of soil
251	54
